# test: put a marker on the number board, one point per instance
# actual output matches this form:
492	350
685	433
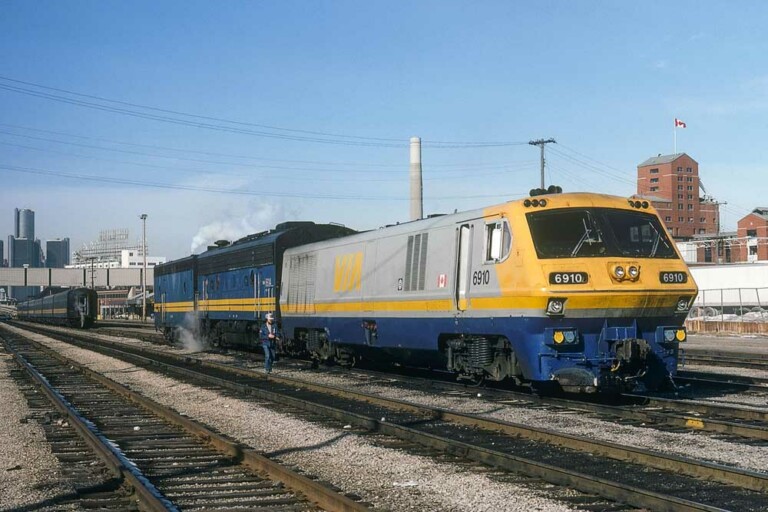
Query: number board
568	278
673	277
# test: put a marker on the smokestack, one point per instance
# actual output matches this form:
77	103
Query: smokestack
417	198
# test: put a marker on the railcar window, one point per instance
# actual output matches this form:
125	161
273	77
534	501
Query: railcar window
498	240
598	232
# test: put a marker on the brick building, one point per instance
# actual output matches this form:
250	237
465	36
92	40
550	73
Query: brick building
671	183
752	230
748	244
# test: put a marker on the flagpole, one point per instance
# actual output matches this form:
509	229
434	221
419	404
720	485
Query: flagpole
674	131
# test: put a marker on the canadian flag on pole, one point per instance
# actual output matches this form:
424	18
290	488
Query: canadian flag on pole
679	123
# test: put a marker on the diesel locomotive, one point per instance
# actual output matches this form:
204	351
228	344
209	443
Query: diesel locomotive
580	292
223	294
76	307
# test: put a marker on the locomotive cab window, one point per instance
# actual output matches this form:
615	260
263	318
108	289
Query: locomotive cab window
498	240
598	232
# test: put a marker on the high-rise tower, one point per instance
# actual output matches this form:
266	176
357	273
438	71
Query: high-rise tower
24	224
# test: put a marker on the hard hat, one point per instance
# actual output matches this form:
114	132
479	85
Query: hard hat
270	316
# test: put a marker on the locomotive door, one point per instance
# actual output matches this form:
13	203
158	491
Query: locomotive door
463	265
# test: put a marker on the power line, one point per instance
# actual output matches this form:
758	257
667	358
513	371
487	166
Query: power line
225	155
196	116
205	122
591	167
243	192
238	164
395	175
184	150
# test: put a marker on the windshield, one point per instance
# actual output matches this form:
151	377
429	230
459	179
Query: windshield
598	232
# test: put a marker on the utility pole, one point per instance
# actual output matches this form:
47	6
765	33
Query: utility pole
91	259
541	143
144	273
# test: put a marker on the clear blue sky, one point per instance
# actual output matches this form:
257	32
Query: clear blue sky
270	111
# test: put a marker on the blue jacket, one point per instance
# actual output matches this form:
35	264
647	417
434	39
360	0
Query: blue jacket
264	333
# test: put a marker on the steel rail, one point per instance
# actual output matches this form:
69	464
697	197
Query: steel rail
613	490
730	359
671	415
722	380
668	418
585	483
315	492
148	497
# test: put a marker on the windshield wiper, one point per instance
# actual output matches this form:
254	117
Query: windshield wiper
655	242
584	238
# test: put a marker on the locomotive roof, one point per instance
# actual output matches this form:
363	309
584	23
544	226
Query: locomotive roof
561	200
286	233
265	237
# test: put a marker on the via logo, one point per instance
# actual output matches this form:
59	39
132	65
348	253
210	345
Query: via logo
347	272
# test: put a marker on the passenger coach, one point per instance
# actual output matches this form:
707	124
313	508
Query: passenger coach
77	307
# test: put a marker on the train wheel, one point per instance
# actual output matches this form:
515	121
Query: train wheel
471	379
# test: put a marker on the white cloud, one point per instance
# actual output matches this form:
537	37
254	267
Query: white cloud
230	226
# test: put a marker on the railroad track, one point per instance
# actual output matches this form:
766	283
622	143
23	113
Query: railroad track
95	483
729	359
169	462
737	423
639	477
135	324
723	382
147	335
742	424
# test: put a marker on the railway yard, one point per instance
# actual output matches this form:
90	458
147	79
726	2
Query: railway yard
188	430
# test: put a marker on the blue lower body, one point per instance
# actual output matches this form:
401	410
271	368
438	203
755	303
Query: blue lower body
593	350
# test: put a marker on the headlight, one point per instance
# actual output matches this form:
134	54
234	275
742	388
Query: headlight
564	337
555	306
682	304
672	334
633	272
619	272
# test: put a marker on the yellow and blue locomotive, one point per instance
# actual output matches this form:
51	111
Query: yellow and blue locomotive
582	291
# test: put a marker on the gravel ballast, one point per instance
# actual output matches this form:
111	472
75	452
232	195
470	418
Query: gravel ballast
689	444
389	479
693	444
30	475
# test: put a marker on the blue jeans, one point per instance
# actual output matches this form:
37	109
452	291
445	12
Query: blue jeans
269	356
